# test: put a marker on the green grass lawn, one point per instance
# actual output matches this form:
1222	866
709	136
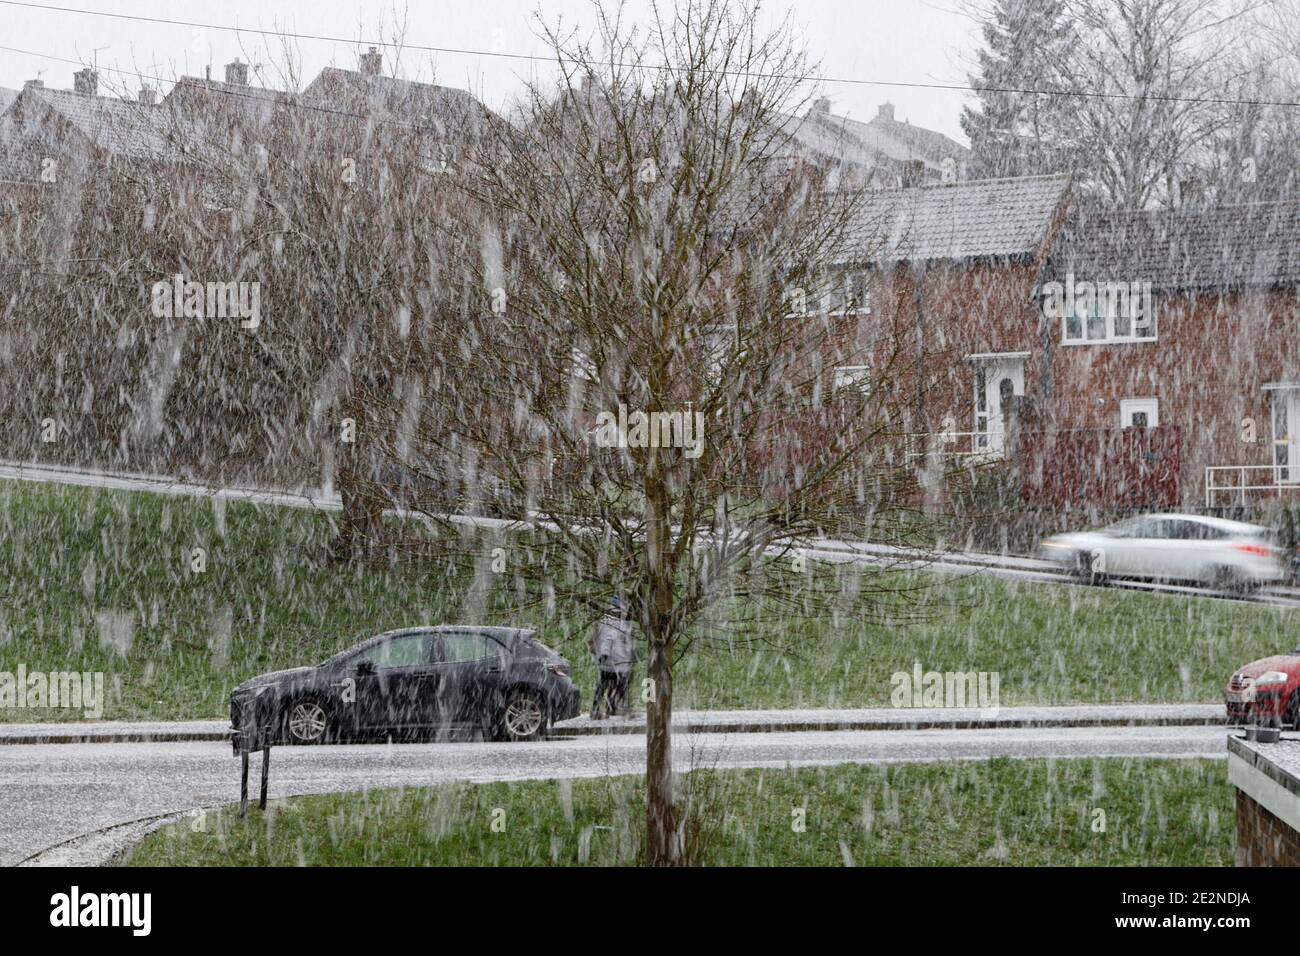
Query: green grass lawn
95	580
999	812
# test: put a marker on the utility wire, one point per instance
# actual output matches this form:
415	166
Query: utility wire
956	87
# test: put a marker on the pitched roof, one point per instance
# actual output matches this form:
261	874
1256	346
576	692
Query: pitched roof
880	140
123	127
446	110
967	220
7	96
250	102
1192	248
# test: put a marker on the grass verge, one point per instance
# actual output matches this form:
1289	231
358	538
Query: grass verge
1102	812
111	581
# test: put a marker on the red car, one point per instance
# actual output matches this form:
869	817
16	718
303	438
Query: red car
1266	690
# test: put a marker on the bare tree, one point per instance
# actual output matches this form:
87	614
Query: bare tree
1152	74
645	364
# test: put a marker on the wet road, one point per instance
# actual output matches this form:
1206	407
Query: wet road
52	793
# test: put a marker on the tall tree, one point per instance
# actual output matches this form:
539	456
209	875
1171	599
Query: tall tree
1153	75
1016	129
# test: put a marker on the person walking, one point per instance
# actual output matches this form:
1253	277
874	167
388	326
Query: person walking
612	645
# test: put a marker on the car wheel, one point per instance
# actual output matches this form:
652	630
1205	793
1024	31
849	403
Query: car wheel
524	716
306	721
1223	578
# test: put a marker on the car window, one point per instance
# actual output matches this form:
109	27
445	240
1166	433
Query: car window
404	651
459	648
1134	528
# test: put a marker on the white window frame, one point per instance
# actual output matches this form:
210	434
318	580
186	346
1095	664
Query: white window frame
1128	406
851	377
1109	335
584	366
720	343
818	303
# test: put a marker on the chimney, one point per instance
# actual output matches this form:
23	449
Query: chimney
34	85
372	63
148	96
85	81
886	111
237	73
821	105
913	172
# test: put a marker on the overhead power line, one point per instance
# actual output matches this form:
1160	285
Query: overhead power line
852	81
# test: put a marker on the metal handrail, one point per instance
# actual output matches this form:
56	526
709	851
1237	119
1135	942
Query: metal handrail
1242	486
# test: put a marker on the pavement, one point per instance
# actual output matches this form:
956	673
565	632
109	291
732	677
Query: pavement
88	803
698	721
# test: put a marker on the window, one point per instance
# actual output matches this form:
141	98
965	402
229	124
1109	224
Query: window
1180	529
462	648
1109	312
851	295
847	293
719	342
404	651
1134	528
584	367
1139	413
853	377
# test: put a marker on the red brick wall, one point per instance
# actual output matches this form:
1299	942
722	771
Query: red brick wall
1207	367
1263	839
963	309
1130	468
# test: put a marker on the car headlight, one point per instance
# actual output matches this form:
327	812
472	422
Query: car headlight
1271	677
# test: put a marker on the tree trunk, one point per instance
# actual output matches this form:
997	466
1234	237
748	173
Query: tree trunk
662	841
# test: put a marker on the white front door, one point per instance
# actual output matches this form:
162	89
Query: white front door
995	381
1286	434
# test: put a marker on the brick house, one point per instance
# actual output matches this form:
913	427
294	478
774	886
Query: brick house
883	151
1214	369
947	275
1112	360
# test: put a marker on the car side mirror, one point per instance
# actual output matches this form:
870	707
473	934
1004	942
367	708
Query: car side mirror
365	667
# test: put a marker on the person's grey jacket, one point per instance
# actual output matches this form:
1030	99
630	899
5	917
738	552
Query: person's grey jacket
614	645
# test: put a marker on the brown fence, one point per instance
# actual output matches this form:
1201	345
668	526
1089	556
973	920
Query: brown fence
1107	468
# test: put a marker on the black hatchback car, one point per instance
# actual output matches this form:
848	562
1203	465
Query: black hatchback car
412	683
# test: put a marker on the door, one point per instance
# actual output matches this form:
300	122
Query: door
397	683
1286	435
996	382
472	669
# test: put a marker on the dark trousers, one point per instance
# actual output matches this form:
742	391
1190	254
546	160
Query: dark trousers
611	693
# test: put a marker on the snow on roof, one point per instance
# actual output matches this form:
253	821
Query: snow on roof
1190	248
448	110
966	220
123	127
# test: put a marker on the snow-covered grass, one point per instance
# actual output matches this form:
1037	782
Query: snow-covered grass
1012	812
97	580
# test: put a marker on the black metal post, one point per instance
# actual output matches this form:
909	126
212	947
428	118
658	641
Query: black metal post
243	784
266	768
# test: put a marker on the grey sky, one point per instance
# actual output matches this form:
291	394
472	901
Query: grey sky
895	40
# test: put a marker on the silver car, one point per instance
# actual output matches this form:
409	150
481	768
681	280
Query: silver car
1215	552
